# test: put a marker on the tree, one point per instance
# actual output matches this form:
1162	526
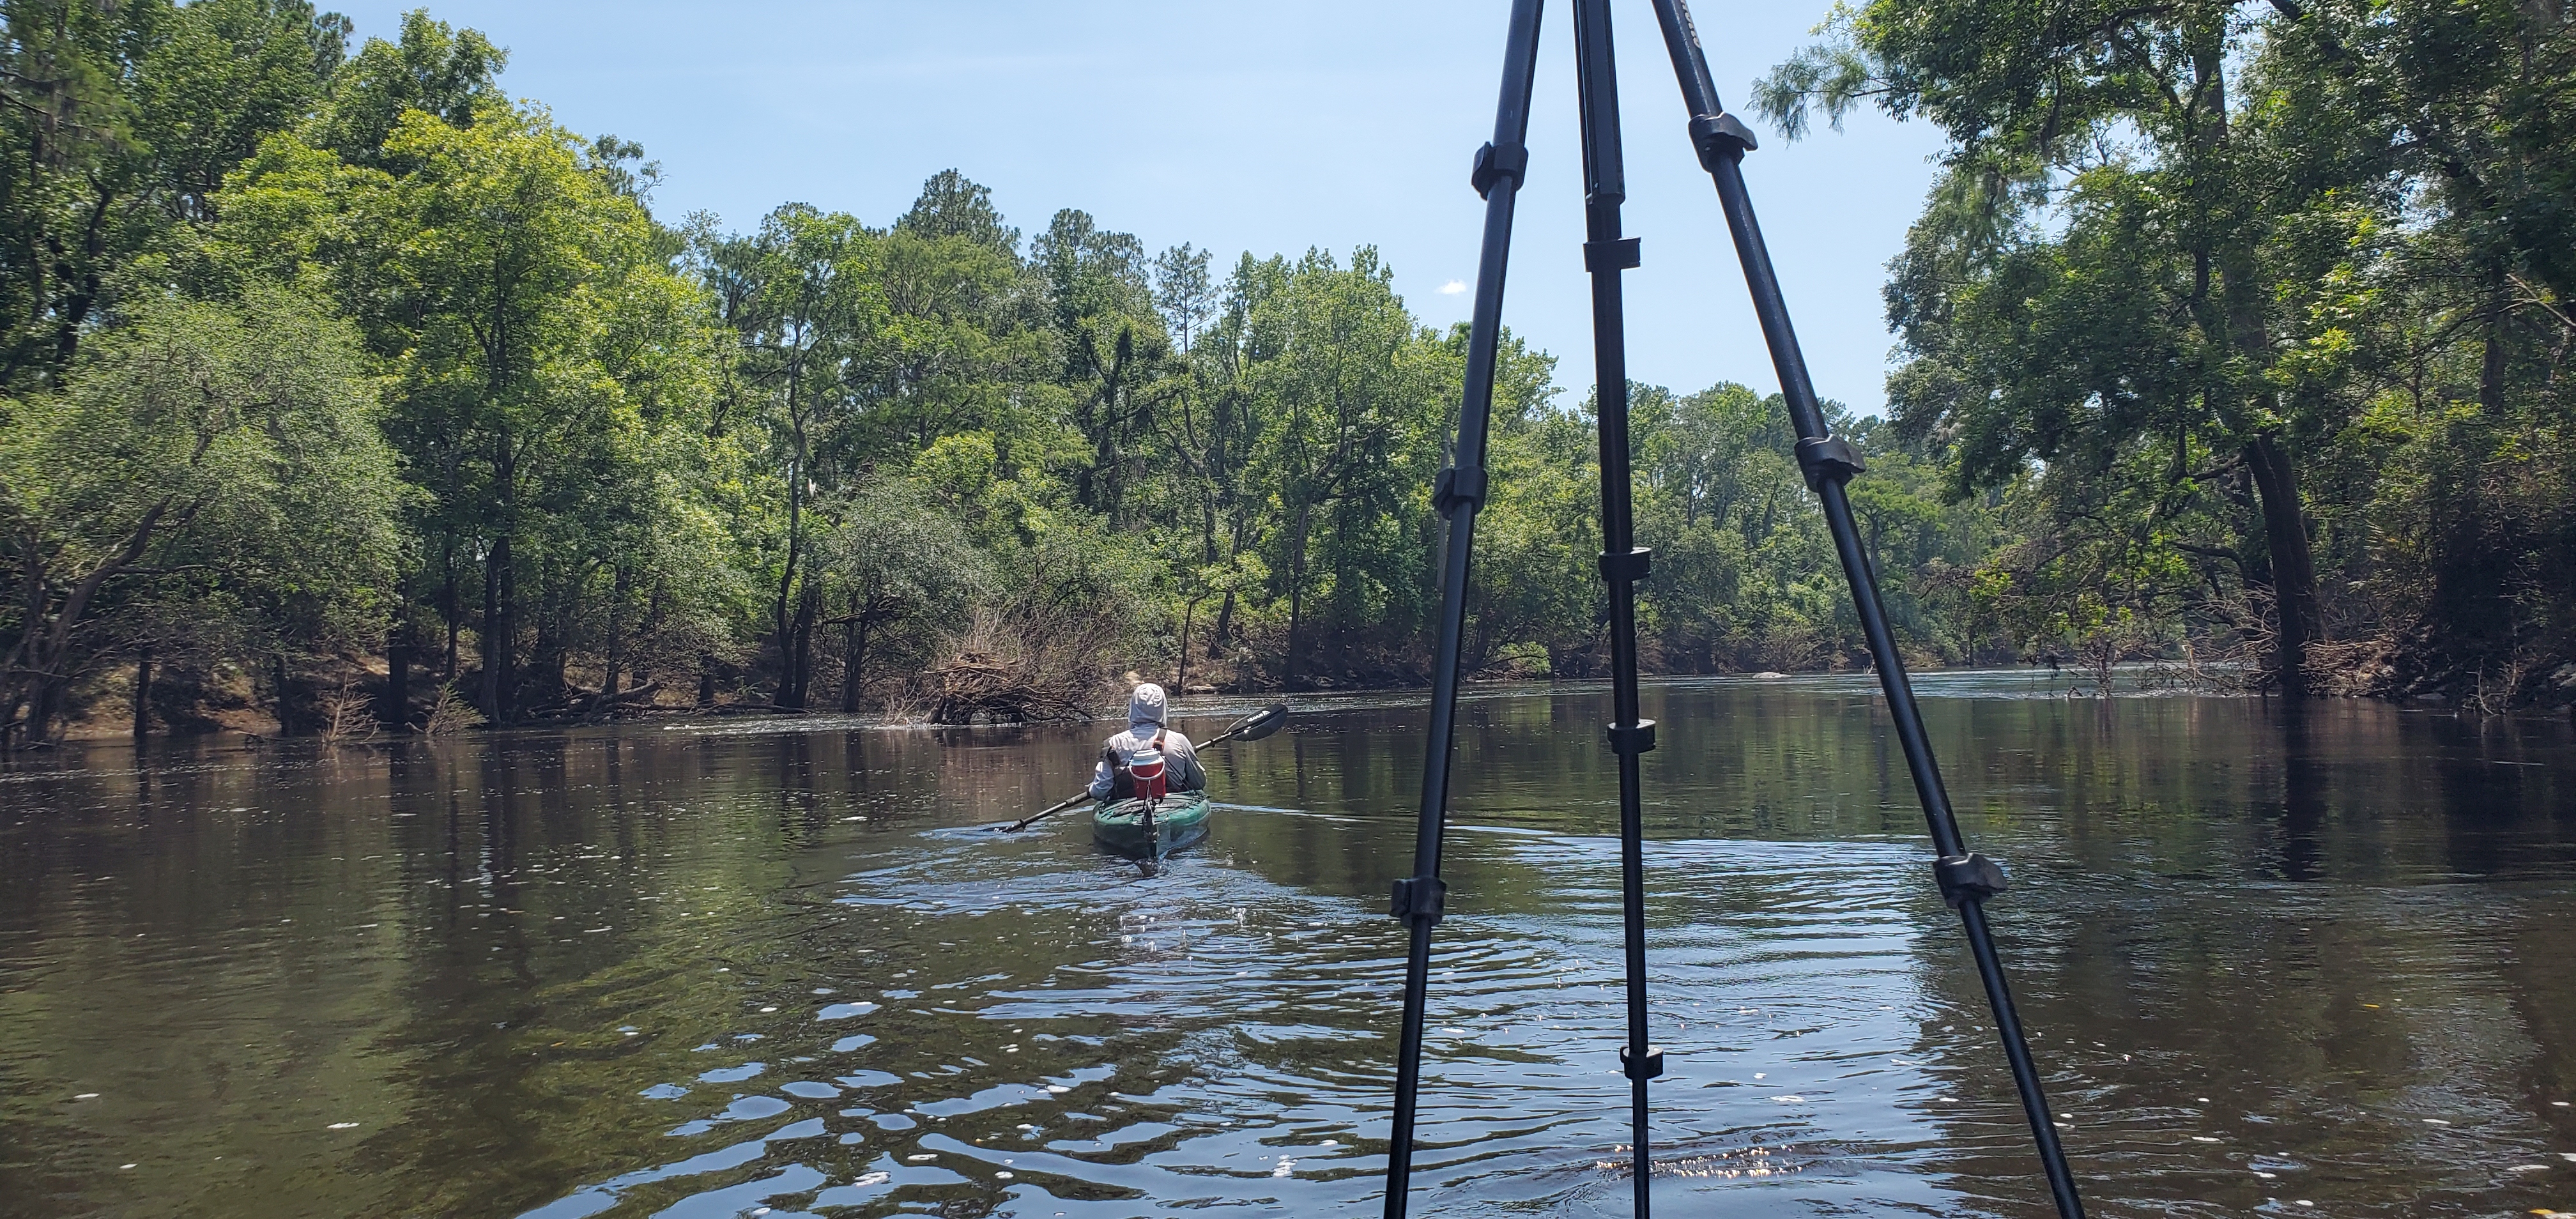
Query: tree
2090	278
963	344
896	553
1349	443
950	205
548	364
1116	354
117	123
431	67
1217	412
1741	555
1183	292
2436	272
216	460
1534	594
2257	311
805	298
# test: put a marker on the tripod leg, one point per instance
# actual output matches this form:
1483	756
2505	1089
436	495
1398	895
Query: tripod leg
1966	879
1461	493
1605	255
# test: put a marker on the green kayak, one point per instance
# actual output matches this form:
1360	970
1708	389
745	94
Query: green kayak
1178	821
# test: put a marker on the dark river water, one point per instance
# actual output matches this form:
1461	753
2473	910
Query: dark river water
2301	968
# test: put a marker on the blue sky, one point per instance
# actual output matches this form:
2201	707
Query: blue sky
1268	127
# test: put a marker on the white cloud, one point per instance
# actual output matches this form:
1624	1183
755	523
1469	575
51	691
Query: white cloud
1453	287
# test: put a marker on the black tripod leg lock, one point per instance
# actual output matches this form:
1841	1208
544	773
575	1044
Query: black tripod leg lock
1497	162
1622	255
1828	458
1652	1068
1458	486
1968	878
1633	566
1636	738
1720	137
1421	897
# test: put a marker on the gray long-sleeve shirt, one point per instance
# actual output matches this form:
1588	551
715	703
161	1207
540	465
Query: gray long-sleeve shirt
1181	769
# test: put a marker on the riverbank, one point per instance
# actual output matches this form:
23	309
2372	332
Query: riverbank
236	705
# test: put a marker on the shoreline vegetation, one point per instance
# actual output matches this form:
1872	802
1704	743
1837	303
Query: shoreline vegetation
341	394
349	720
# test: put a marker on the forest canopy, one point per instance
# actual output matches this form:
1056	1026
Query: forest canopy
334	376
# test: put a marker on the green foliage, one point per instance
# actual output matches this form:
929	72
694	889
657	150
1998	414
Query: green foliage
2202	295
2228	327
208	470
1349	396
119	123
551	385
431	69
895	556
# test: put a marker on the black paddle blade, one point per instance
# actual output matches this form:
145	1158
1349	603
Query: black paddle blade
1262	723
1034	818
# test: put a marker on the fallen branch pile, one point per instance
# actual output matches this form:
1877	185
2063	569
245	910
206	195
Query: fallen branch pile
977	686
592	706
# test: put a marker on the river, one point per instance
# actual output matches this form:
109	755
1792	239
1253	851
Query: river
2322	967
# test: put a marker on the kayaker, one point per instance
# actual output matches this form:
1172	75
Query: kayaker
1146	748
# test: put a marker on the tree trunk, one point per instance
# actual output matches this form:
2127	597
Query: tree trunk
2276	484
44	649
393	707
1207	527
546	661
854	653
2294	575
143	694
2491	371
615	652
652	627
1296	607
494	643
796	679
500	596
449	611
790	694
292	703
40	711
